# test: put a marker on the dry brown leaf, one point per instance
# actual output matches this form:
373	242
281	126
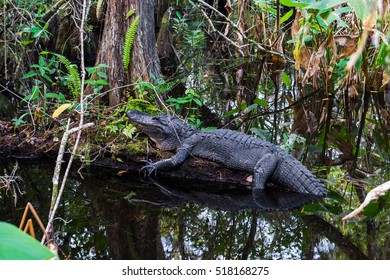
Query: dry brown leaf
347	45
229	9
296	26
121	172
61	109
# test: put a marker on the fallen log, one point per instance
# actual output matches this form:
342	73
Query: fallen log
24	145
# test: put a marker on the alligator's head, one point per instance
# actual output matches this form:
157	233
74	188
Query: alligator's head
165	130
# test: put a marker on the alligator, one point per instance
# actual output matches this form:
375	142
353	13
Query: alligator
236	150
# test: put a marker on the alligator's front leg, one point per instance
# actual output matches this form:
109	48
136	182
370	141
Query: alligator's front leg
176	160
263	170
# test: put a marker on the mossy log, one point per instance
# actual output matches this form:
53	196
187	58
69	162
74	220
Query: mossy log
24	145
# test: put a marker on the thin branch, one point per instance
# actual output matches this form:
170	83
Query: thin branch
219	32
78	129
235	26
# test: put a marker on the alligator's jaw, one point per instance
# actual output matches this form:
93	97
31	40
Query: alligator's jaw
160	129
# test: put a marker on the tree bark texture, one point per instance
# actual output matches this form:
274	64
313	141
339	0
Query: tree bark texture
144	60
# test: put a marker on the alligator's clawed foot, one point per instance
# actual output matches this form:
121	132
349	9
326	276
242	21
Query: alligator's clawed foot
148	169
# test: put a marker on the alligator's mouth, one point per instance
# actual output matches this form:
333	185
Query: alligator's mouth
147	124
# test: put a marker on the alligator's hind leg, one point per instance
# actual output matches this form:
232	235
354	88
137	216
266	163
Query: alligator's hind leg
263	170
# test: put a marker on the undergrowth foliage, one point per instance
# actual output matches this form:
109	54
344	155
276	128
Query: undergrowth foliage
311	76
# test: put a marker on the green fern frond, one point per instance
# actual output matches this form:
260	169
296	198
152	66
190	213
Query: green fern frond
129	39
130	13
74	81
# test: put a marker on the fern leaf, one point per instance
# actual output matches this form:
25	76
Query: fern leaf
130	13
129	39
74	82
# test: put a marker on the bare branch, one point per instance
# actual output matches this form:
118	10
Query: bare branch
57	196
373	194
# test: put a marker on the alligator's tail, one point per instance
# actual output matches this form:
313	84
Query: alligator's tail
294	175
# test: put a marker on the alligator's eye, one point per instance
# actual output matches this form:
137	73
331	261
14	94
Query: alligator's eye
156	118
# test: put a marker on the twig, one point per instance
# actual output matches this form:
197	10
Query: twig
219	32
56	194
5	42
258	45
81	126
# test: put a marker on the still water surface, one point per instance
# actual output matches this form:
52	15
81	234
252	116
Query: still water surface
106	216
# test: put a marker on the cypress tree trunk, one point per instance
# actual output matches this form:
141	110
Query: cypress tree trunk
144	60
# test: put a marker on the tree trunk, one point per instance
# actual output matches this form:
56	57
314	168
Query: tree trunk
144	60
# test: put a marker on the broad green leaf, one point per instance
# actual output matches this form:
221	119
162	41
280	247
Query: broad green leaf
61	109
325	4
59	96
102	82
17	245
261	102
360	7
102	75
335	17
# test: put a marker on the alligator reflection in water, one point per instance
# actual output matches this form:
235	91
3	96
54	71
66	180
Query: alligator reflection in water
97	222
229	199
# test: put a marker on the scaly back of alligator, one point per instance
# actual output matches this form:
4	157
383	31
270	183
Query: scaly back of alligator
289	173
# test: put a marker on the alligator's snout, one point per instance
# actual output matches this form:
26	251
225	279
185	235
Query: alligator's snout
139	118
134	115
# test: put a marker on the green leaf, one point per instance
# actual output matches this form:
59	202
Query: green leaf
26	42
34	94
171	100
250	108
102	82
197	101
325	4
381	55
286	16
130	13
18	121
17	245
360	7
286	79
29	75
129	39
102	75
59	96
129	131
296	4
261	102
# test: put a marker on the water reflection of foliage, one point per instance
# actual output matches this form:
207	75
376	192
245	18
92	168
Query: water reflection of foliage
196	232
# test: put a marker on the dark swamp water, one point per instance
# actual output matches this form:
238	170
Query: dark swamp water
106	216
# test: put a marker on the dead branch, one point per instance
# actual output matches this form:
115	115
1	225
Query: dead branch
372	195
57	196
